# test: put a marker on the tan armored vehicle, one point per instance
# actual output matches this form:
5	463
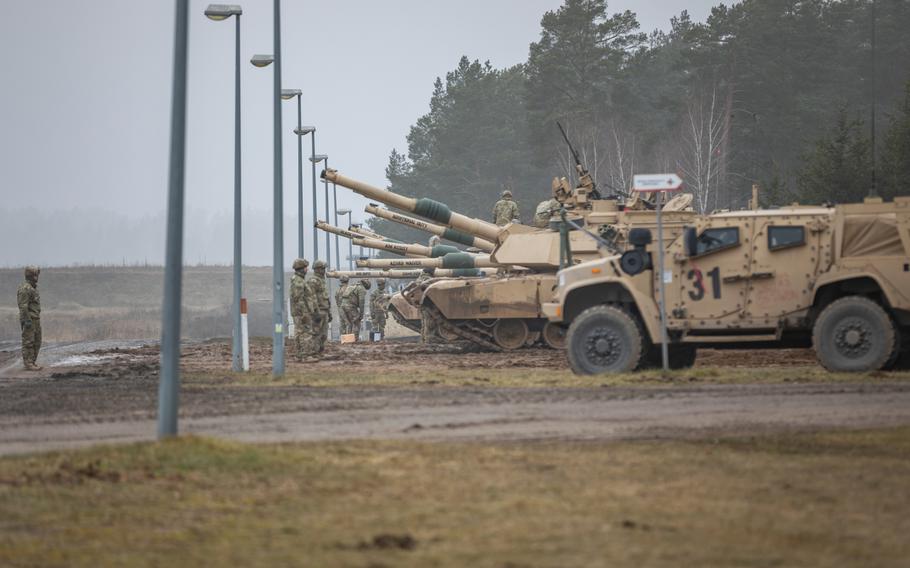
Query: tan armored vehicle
836	278
504	311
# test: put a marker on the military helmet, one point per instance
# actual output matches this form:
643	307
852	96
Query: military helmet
345	279
507	193
301	263
380	283
366	283
320	264
32	271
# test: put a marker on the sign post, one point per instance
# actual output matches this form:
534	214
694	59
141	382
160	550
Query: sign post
659	184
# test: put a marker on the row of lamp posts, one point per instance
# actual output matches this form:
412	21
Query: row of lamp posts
170	338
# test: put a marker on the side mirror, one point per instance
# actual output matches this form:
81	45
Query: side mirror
639	237
690	241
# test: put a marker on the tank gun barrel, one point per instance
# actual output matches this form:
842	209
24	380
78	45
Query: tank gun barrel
406	249
427	208
453	261
361	230
358	239
441	231
374	273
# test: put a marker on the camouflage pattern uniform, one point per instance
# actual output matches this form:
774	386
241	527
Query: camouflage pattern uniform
319	295
349	308
505	211
30	318
344	324
301	310
355	305
543	213
379	307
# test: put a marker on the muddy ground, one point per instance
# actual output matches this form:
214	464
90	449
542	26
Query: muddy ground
104	392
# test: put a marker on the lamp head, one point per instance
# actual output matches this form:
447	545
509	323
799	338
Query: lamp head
220	12
288	94
262	60
304	130
318	158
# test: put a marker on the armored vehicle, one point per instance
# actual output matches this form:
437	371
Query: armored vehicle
504	311
836	278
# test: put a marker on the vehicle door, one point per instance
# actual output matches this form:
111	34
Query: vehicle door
707	291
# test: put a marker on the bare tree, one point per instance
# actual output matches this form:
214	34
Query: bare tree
702	146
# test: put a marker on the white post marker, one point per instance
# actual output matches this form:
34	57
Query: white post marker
244	336
660	183
292	327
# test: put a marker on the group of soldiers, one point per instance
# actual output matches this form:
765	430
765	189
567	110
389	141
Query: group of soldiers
312	310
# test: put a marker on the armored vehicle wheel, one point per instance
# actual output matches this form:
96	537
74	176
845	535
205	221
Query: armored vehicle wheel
854	334
447	334
604	339
554	335
510	333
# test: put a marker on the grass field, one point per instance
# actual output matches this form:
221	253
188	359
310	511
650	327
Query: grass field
834	499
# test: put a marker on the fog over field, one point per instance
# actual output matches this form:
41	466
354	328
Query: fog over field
83	152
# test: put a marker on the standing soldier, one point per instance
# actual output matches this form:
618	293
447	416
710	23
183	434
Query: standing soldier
301	309
379	307
343	322
361	291
319	295
30	318
428	325
349	308
505	211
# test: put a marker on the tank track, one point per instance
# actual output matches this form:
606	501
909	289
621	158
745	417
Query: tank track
464	331
403	322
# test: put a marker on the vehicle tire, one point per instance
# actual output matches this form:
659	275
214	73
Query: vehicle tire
854	334
604	339
554	335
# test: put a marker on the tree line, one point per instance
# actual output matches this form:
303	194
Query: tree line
778	93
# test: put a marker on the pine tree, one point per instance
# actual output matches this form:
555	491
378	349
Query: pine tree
839	169
895	179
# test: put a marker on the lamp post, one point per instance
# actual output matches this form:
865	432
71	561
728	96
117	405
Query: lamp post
277	200
316	158
302	131
220	12
288	94
344	212
169	383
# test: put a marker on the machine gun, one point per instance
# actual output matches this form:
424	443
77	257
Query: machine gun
584	177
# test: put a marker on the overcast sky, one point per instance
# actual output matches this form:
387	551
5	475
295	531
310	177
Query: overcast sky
85	106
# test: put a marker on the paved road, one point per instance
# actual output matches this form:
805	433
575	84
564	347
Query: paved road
32	421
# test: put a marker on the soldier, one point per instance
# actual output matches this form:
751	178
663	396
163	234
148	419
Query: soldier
505	211
30	318
349	308
379	307
361	291
301	309
322	307
343	323
544	211
428	325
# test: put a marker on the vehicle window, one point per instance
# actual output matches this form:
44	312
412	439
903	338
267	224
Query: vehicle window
786	237
713	240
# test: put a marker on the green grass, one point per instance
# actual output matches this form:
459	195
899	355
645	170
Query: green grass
836	499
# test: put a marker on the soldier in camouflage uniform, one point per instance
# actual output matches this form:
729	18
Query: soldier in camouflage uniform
30	318
349	308
505	211
379	307
319	295
544	211
361	291
301	309
343	323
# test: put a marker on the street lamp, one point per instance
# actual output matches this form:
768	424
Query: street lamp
288	94
328	251
261	60
302	131
344	212
220	12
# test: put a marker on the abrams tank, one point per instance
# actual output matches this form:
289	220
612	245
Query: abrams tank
503	312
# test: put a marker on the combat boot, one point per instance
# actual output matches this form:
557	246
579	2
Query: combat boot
31	366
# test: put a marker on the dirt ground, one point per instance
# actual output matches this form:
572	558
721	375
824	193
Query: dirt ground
103	392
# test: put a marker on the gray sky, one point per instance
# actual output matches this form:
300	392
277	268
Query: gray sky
85	106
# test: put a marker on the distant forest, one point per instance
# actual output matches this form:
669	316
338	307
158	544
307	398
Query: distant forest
774	92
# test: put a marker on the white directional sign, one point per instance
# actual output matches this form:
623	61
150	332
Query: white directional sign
656	182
